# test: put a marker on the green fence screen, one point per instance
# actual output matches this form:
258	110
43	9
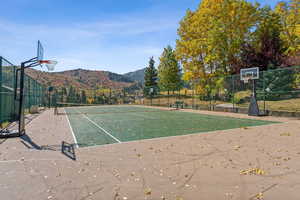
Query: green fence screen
34	92
277	90
8	104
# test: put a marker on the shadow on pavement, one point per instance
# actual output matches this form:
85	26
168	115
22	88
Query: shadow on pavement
65	148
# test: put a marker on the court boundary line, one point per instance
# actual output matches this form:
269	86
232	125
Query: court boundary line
269	122
113	137
71	128
224	131
106	132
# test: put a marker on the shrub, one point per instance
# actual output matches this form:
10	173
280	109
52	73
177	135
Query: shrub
242	96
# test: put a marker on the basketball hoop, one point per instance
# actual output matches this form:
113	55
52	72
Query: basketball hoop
50	64
249	74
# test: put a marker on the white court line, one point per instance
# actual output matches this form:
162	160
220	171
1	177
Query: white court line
116	139
75	140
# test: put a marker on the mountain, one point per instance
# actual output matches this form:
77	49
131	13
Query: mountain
83	79
137	76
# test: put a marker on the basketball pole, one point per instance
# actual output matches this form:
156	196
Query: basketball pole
21	109
253	109
254	88
20	115
32	63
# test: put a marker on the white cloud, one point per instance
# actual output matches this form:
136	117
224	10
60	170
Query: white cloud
121	59
118	45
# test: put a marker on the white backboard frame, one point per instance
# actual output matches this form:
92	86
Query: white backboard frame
40	51
249	74
151	91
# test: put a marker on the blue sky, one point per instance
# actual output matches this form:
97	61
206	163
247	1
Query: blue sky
118	36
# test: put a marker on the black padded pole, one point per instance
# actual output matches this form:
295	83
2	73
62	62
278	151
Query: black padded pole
21	101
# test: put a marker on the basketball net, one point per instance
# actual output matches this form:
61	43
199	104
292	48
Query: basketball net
246	79
50	64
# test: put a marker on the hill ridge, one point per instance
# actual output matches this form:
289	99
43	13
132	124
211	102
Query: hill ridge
84	79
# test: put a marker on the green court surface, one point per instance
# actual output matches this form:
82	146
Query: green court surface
115	124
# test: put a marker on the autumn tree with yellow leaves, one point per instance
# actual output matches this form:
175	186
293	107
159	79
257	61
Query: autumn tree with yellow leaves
211	39
289	13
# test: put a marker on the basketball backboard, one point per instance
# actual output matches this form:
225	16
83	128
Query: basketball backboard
249	74
50	64
40	51
151	90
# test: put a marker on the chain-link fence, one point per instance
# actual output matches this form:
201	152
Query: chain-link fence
8	104
34	92
276	90
74	96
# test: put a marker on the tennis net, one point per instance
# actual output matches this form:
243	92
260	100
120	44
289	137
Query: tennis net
79	109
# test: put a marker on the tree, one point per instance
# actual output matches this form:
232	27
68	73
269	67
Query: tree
150	78
265	48
83	97
290	21
169	72
210	39
77	98
71	98
62	94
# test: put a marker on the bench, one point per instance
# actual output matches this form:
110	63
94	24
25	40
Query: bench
178	104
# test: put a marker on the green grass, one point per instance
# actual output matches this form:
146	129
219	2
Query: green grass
145	123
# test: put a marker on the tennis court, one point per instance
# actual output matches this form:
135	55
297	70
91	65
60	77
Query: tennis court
98	125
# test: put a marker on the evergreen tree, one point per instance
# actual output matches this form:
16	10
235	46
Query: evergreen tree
99	100
78	98
83	97
169	72
64	91
63	94
95	100
150	78
71	98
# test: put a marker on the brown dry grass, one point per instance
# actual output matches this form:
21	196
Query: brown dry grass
291	105
285	105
